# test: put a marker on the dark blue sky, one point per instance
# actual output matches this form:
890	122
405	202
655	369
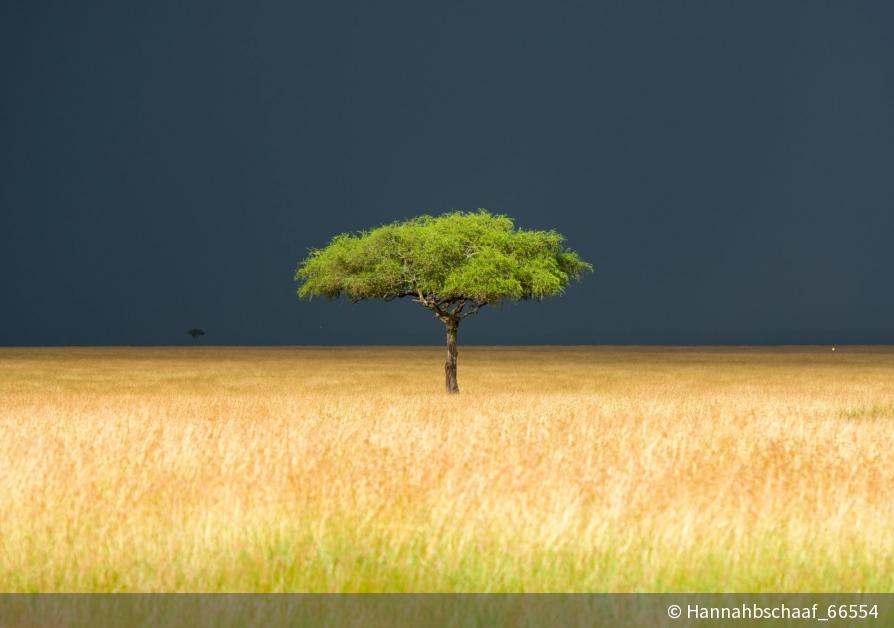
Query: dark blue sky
728	167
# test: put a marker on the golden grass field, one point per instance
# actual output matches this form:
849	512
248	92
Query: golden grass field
348	469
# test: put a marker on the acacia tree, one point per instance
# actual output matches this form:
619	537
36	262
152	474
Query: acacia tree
453	264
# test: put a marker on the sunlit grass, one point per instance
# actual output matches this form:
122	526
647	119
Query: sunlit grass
349	470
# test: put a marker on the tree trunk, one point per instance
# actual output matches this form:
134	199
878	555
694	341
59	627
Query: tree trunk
450	366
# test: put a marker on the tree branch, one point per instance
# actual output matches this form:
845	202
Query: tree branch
421	298
434	304
473	310
458	307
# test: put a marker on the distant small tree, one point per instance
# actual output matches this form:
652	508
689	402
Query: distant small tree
453	264
195	332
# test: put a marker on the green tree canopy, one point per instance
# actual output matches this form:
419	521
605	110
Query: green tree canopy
453	264
472	256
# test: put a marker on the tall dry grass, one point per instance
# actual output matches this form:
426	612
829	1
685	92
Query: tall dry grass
557	469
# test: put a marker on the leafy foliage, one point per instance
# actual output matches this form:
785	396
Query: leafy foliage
458	259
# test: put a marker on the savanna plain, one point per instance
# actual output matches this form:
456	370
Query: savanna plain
349	469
